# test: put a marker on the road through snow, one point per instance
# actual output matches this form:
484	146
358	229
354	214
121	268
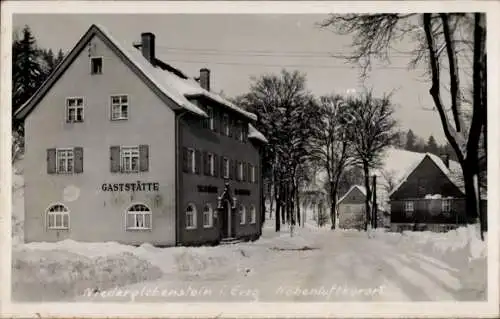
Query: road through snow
339	266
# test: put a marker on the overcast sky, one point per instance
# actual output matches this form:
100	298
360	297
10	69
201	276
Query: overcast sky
236	47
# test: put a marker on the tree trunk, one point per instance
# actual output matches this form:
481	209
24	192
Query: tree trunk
278	207
333	199
368	194
297	205
284	216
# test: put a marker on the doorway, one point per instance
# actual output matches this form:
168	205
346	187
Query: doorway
226	225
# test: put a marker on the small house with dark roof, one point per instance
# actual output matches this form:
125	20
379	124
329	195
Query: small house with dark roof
351	208
121	146
429	197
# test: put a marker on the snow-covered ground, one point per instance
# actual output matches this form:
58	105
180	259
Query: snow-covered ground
315	264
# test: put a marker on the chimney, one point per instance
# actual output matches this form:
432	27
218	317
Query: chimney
446	160
148	46
205	79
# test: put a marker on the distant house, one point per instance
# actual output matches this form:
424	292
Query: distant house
351	208
429	197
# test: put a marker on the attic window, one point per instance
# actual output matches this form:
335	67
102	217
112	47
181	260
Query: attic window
96	65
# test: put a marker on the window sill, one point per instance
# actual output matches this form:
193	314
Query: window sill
138	229
119	119
73	122
206	226
58	228
191	228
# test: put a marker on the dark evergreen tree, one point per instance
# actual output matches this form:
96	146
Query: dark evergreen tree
410	141
59	58
432	146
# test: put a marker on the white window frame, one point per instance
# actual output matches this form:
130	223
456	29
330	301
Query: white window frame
240	171
211	164
75	107
192	160
243	215
409	207
253	214
120	105
227	167
55	214
129	152
92	58
193	213
69	155
446	206
143	214
241	135
252	173
225	126
211	120
210	217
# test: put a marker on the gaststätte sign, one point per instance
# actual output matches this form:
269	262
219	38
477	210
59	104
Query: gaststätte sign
131	187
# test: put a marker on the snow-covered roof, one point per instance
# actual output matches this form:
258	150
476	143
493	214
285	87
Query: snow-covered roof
171	85
362	189
453	172
254	133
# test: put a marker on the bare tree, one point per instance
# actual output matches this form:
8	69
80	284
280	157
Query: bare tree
332	148
371	131
444	42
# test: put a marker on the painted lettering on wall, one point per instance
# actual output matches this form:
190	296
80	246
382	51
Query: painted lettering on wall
131	187
239	191
207	189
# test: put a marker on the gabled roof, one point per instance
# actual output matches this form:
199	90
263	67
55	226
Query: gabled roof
171	88
452	173
362	189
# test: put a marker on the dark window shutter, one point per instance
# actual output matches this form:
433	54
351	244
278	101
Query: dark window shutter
51	161
216	165
115	159
197	155
144	158
256	174
185	160
78	152
231	127
245	172
221	166
216	120
231	169
206	166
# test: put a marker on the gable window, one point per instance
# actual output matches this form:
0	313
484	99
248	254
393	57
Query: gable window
191	216
211	164
225	122
446	206
139	217
207	216
253	215
119	107
226	167
211	120
96	65
409	209
58	217
74	109
243	215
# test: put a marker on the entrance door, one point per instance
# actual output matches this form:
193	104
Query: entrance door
226	230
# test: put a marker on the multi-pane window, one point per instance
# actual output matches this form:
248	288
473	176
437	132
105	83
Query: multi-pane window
129	159
446	206
253	215
207	216
226	167
190	216
191	160
58	217
409	208
225	122
211	120
119	107
211	164
96	65
241	131
240	171
74	109
65	159
139	217
243	215
252	174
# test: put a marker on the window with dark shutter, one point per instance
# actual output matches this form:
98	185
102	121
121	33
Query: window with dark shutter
51	161
221	166
114	159
198	161
216	165
78	151
143	158
206	167
245	171
185	160
230	123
